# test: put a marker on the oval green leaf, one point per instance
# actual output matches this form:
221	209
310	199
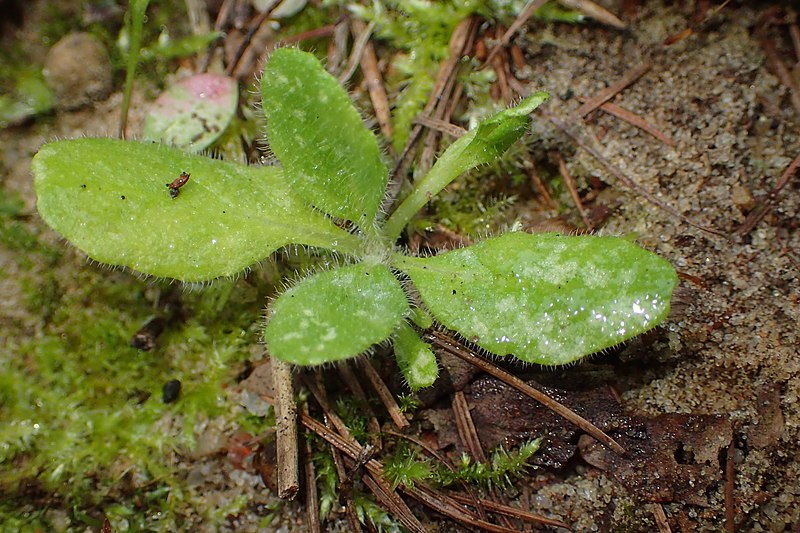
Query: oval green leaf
415	358
331	159
335	315
545	298
110	199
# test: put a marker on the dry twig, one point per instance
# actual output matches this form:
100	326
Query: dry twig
521	19
569	181
452	346
286	429
608	93
355	387
647	195
635	120
312	497
530	166
661	519
595	11
513	512
760	211
384	394
440	126
778	66
374	80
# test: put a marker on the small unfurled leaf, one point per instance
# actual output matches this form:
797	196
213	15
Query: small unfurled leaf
194	112
545	298
479	146
331	159
110	199
335	315
415	358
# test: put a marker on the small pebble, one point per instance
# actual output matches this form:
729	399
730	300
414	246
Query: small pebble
78	71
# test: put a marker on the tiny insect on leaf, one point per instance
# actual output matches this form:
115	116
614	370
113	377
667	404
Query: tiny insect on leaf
177	183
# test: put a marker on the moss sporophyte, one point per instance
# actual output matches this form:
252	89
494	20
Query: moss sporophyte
543	298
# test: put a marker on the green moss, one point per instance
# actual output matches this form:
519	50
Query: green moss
82	410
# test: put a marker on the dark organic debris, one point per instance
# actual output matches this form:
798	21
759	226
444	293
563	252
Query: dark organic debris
676	462
505	416
171	391
145	338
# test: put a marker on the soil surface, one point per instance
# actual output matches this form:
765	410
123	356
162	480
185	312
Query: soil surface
731	346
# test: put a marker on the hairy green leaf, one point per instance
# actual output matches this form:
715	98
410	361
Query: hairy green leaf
335	315
330	157
110	199
479	146
415	358
545	298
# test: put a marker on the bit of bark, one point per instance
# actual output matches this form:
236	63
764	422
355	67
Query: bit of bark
384	394
451	346
762	208
521	19
513	512
440	126
770	425
573	191
673	458
635	120
286	429
518	57
598	13
661	519
374	80
609	92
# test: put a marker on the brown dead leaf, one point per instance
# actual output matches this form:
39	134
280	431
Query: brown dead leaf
676	461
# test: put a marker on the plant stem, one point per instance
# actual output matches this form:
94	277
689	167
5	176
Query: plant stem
446	169
339	241
136	21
